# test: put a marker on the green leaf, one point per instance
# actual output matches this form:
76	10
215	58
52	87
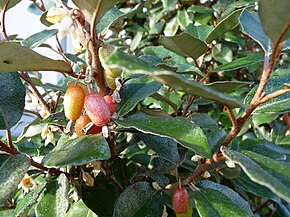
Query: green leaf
135	90
100	198
243	182
88	8
240	63
123	171
14	57
11	4
54	201
212	199
200	9
251	26
6	212
30	199
139	200
80	209
183	131
278	104
75	59
224	26
12	171
200	32
78	151
184	44
267	172
113	15
169	5
163	53
183	18
134	65
165	148
57	119
12	97
279	19
264	148
35	147
30	131
227	86
37	39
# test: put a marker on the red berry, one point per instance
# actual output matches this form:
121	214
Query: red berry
97	109
112	105
180	200
73	102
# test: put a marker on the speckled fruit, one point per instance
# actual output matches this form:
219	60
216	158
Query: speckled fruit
112	105
110	74
97	109
180	200
73	102
81	122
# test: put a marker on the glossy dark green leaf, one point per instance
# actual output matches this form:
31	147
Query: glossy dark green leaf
278	104
279	20
35	147
264	148
166	148
243	182
134	65
11	4
200	32
184	45
251	25
89	7
54	201
240	63
30	199
139	200
135	90
37	39
212	199
12	171
78	151
124	171
273	174
100	198
224	26
227	86
183	131
14	57
78	209
12	97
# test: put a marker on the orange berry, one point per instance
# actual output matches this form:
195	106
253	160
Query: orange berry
73	102
97	109
81	122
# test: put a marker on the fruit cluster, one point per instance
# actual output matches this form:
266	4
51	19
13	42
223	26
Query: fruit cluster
98	109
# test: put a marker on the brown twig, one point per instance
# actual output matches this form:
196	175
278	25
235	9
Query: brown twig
189	103
27	78
9	139
94	21
3	30
263	205
13	151
273	95
232	116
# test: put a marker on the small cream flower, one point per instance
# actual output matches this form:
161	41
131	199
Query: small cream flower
27	183
55	15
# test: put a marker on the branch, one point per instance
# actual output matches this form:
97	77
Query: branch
3	30
94	21
26	78
232	116
273	95
13	151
